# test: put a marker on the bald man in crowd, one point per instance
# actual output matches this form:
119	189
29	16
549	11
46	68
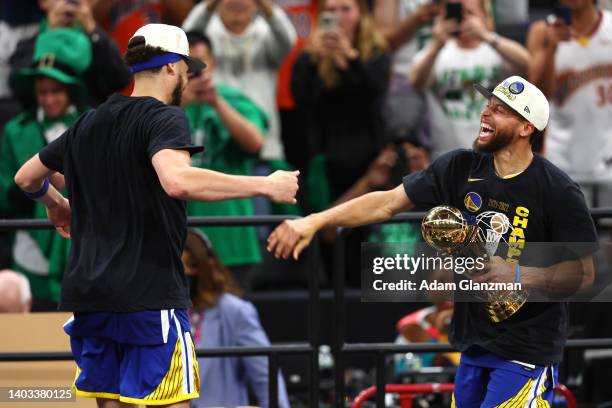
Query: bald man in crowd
15	295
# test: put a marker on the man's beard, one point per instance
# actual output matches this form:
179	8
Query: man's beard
501	139
177	93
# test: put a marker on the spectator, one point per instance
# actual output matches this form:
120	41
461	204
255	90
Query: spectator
406	25
220	318
15	296
339	81
427	325
41	254
106	74
462	53
303	14
121	18
232	127
573	67
249	49
16	23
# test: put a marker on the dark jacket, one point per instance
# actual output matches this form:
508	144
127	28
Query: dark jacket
344	123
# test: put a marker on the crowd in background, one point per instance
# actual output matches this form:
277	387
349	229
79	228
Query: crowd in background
354	93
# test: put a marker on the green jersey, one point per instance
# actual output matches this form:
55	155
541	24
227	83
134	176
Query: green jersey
234	245
40	254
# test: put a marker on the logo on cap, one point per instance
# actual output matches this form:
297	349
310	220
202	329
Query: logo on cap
516	87
504	90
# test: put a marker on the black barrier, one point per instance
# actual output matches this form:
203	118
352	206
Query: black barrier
272	352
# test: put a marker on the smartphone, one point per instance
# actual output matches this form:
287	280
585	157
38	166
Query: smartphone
454	11
564	13
328	21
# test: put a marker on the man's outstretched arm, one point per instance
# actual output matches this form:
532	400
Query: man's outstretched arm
292	236
181	181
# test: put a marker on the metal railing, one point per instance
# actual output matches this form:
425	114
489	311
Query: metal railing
339	347
272	352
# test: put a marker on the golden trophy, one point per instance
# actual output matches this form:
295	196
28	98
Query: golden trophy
446	230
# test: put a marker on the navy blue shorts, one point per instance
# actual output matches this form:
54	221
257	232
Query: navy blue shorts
139	358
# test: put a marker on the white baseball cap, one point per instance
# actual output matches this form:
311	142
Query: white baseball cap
523	97
169	38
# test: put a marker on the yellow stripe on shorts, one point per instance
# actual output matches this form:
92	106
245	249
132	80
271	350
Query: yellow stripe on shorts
541	402
171	386
520	398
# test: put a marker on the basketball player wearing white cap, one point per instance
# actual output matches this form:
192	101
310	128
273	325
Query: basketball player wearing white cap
128	174
513	362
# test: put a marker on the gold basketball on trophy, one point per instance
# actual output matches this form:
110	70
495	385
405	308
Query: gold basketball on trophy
445	229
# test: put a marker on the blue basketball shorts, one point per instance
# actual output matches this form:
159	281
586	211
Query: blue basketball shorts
139	358
486	380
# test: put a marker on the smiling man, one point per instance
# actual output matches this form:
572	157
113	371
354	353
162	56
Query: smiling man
513	361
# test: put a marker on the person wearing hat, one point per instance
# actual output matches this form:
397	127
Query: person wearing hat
106	74
514	361
128	174
60	56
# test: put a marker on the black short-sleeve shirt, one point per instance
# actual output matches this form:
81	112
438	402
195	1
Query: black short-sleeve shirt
127	233
542	204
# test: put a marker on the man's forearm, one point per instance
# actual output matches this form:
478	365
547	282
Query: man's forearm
198	18
50	199
541	70
246	134
371	208
283	36
510	50
422	69
207	185
398	36
566	277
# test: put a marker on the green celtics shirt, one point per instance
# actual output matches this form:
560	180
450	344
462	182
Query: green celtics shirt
234	245
39	254
452	75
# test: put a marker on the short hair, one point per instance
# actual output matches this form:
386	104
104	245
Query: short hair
197	37
138	52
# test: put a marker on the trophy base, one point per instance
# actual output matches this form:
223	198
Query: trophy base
501	309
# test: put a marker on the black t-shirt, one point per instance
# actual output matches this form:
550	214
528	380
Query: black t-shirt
127	233
542	203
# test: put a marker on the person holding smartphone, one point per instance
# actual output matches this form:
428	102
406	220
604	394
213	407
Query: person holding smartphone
571	61
464	49
338	82
106	74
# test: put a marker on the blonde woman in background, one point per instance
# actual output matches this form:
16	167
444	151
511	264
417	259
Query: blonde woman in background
338	83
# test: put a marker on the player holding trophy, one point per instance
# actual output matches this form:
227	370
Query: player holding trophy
525	198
